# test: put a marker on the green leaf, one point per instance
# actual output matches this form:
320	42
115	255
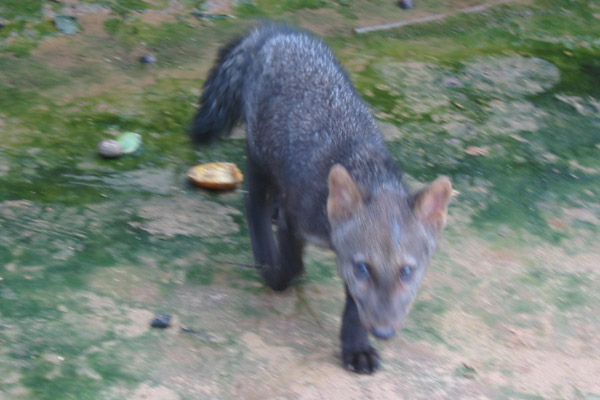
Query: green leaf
130	142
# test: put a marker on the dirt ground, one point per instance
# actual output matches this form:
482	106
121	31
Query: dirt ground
505	101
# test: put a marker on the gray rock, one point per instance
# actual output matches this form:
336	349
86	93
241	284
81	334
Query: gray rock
161	321
406	4
110	148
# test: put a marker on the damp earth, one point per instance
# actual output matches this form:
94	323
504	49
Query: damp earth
505	100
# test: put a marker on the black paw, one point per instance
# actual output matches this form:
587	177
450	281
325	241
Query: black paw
365	361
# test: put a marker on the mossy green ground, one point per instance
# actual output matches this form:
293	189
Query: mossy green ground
505	101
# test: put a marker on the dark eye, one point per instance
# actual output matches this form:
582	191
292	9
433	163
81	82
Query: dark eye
361	271
406	273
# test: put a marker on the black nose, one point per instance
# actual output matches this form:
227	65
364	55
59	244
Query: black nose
383	332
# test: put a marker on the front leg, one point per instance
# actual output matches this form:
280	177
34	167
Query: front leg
357	353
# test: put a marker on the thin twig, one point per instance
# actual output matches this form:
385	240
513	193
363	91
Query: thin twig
200	334
429	18
303	303
400	24
237	264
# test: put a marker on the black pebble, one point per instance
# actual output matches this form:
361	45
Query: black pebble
406	4
161	321
148	59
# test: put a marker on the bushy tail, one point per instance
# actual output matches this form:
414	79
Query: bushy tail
220	104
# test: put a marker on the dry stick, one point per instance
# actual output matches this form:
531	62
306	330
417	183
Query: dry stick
435	17
303	302
399	24
237	264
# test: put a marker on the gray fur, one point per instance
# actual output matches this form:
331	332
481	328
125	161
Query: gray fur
303	116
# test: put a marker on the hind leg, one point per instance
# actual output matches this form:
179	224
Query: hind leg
259	209
278	264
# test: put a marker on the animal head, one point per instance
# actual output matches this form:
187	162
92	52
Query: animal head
384	242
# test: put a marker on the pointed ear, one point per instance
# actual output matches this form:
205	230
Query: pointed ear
344	195
431	204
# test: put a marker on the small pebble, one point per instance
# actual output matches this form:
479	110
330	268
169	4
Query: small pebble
110	148
161	321
451	81
148	59
406	4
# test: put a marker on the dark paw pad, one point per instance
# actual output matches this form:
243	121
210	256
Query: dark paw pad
364	361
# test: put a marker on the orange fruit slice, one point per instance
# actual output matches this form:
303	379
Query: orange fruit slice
216	175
